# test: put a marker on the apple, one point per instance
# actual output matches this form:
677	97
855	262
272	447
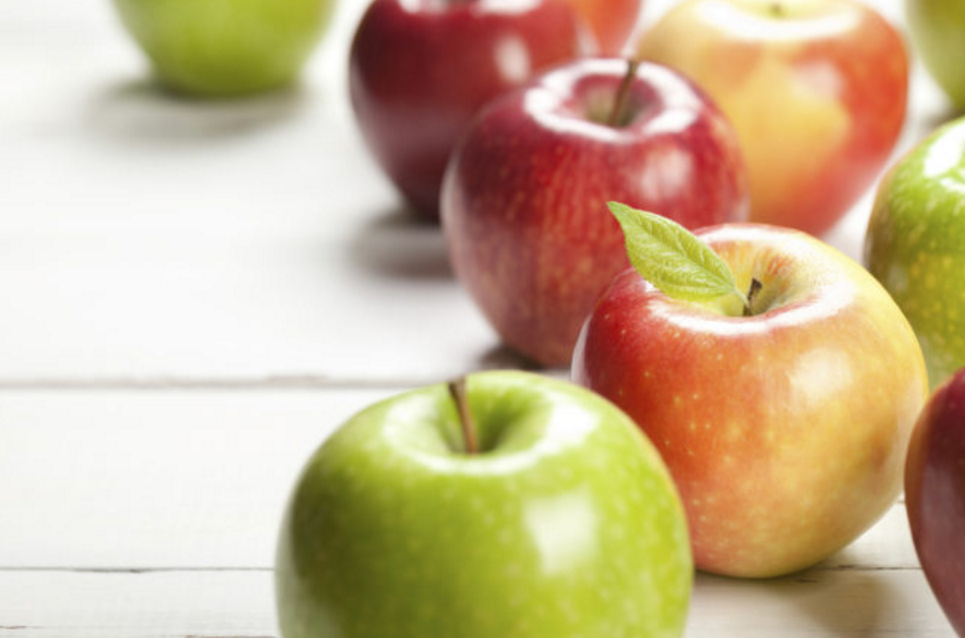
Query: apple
935	495
419	70
524	201
611	21
226	47
816	90
938	31
785	429
915	245
551	516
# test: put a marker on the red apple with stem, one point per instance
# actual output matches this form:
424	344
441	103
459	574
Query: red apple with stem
935	495
611	21
816	90
783	410
419	70
524	201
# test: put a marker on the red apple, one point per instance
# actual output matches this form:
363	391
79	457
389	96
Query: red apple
524	202
786	430
815	88
612	21
420	69
935	496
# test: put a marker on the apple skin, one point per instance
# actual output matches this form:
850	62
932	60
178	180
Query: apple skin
566	523
611	21
915	245
935	495
938	32
220	48
524	201
785	431
420	70
816	89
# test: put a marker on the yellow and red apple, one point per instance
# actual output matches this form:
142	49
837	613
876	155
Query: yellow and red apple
612	22
785	430
816	90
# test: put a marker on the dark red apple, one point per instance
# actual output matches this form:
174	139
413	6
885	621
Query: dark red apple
935	495
420	69
524	201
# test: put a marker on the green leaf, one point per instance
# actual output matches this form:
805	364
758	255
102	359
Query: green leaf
671	258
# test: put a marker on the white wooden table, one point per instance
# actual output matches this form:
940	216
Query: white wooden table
193	295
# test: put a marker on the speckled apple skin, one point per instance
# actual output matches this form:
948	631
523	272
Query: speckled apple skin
567	526
222	48
938	30
524	202
785	431
816	89
419	72
935	496
915	245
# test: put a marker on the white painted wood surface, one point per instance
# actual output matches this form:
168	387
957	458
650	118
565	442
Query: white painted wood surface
195	294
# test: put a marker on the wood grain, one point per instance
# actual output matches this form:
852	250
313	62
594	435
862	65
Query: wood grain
147	479
842	604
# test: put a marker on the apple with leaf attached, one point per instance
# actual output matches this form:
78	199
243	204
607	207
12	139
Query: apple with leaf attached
506	504
778	379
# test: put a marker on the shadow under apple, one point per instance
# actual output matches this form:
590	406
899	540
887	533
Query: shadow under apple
143	111
400	244
848	603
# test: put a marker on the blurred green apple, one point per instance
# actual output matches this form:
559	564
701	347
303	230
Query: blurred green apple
563	524
916	245
226	47
938	32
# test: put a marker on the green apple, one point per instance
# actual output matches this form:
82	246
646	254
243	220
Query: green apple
938	31
563	523
226	47
915	245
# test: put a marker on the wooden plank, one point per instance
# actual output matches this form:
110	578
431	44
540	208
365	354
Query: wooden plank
844	604
155	479
193	479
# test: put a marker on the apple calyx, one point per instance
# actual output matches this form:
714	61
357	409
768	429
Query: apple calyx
618	116
677	262
776	10
457	389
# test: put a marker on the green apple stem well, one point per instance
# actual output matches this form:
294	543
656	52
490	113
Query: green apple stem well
676	262
457	389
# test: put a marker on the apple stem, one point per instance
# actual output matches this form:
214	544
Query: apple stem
623	94
777	10
457	389
751	296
